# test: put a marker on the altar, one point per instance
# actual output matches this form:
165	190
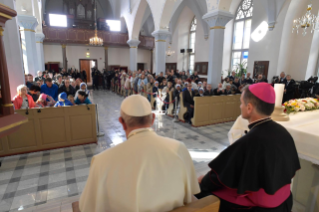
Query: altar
304	128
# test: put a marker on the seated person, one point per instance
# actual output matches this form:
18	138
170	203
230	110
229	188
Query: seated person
226	82
83	87
209	91
289	89
67	88
82	99
188	98
63	101
185	86
126	178
219	91
71	99
261	78
254	173
236	82
228	90
45	101
34	91
177	92
201	92
28	80
50	89
22	100
39	76
155	93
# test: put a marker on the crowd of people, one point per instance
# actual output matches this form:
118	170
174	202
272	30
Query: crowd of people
49	89
175	82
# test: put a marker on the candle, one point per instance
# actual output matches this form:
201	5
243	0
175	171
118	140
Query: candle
279	90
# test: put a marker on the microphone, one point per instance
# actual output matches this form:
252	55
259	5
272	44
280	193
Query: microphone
27	110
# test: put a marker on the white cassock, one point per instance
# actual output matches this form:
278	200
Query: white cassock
147	172
238	129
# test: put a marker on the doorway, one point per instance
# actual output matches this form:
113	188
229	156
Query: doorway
87	65
140	66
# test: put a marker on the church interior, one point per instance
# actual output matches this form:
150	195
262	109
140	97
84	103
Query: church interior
103	101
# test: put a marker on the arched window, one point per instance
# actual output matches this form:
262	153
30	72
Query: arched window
241	34
191	44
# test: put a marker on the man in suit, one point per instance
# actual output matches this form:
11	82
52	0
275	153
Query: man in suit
289	89
249	80
233	76
39	77
188	98
283	79
209	91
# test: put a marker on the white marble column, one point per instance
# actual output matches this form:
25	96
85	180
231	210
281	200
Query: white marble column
12	44
217	21
30	59
133	53
39	37
160	50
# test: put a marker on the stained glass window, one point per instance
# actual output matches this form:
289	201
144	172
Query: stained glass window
241	33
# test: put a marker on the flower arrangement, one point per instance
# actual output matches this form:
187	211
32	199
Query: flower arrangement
296	105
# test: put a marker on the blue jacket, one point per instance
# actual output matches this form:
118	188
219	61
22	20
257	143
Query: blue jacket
86	101
62	104
53	91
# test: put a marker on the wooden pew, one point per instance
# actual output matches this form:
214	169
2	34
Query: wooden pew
207	204
215	109
182	108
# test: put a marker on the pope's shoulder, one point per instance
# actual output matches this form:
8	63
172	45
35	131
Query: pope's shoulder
154	140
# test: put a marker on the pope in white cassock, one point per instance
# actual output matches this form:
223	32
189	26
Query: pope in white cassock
147	172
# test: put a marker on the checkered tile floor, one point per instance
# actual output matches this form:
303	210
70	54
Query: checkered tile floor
35	179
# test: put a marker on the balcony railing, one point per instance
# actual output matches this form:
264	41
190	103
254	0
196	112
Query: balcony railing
82	36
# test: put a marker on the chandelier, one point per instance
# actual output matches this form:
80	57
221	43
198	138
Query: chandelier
96	41
307	21
169	52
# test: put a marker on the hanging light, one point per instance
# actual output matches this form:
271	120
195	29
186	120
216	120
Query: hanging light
169	52
307	21
96	41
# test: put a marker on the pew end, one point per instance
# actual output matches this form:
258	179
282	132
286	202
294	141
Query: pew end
207	204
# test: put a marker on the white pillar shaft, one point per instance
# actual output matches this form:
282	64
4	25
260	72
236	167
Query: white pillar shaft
30	58
133	58
160	57
12	44
160	50
40	55
216	45
133	53
217	21
29	52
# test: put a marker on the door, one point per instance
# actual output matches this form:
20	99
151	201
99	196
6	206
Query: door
140	66
261	67
123	68
171	66
85	65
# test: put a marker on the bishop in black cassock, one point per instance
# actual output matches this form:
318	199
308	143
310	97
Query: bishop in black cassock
254	173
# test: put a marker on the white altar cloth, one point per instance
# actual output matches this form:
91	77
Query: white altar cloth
303	127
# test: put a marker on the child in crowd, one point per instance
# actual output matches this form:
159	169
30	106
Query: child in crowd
63	100
42	101
71	99
82	98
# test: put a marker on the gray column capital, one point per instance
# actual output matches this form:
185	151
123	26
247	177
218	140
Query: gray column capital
39	37
27	22
133	43
217	19
161	35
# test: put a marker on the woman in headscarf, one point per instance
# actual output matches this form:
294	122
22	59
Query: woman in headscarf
45	101
83	87
23	100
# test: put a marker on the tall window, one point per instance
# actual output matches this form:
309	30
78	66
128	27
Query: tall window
241	33
191	45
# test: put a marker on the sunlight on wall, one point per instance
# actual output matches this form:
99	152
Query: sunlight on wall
260	32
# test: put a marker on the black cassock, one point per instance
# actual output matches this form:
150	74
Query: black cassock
265	158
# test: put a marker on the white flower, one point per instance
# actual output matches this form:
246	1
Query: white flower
302	108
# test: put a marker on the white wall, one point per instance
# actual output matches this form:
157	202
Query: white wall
116	56
268	48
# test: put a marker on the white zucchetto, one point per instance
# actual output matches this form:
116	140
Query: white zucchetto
136	105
